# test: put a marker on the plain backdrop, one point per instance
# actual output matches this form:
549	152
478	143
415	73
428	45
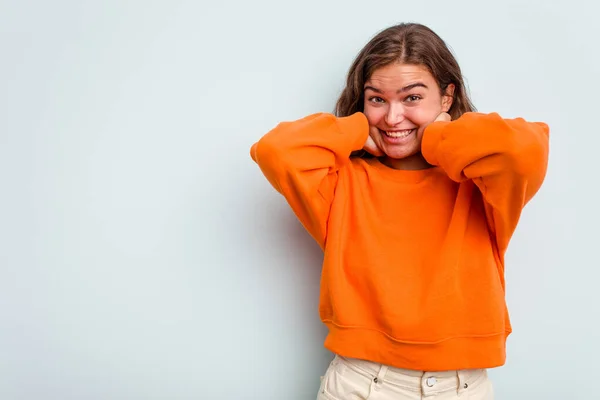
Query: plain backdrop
144	256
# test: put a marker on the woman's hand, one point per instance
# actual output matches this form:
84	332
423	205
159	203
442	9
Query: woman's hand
370	146
443	117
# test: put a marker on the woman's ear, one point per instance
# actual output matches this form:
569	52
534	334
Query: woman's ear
448	97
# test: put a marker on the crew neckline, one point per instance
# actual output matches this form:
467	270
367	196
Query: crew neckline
401	175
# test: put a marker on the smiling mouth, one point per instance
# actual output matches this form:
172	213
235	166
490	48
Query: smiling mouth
400	134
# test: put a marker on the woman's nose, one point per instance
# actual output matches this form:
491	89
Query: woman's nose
395	115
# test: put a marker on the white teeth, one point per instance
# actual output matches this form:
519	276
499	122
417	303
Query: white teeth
399	134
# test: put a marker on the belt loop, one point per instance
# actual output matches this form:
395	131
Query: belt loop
461	378
381	375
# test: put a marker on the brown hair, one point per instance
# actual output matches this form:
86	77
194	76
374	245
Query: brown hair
407	43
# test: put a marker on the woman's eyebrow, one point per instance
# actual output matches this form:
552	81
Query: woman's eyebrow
404	89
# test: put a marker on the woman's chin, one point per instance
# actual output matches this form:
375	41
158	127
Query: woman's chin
398	153
400	148
397	159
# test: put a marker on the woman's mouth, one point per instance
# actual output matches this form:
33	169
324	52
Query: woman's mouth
397	135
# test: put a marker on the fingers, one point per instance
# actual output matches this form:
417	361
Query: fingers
443	117
372	148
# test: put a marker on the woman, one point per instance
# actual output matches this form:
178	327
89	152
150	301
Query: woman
413	197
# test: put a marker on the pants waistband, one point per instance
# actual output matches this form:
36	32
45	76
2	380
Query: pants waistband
423	381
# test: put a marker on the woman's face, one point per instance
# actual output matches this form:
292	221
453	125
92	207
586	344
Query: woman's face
400	99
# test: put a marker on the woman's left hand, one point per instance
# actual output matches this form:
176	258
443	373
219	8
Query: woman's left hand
443	117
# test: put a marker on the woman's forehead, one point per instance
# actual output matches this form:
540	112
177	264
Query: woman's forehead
399	75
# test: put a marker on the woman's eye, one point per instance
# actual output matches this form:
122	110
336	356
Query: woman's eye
376	100
413	98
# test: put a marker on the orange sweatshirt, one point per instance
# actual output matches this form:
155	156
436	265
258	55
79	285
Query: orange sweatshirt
413	271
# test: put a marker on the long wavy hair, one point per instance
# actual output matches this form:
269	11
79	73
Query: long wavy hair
407	43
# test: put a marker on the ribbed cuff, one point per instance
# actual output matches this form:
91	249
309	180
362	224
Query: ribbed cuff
356	126
432	138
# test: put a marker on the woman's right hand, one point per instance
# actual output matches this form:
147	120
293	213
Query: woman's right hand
370	146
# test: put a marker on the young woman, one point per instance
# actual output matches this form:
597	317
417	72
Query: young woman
413	197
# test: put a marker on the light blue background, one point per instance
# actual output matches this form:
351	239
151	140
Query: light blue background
144	256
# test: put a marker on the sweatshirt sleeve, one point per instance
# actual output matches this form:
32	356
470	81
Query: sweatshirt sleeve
506	158
301	160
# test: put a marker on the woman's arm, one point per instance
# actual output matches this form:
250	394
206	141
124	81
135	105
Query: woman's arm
506	158
301	160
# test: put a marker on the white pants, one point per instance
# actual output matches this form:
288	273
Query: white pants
352	379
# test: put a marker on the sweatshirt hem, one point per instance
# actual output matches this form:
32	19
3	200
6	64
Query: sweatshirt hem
452	353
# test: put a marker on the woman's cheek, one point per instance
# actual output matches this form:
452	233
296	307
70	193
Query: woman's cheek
421	116
374	115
